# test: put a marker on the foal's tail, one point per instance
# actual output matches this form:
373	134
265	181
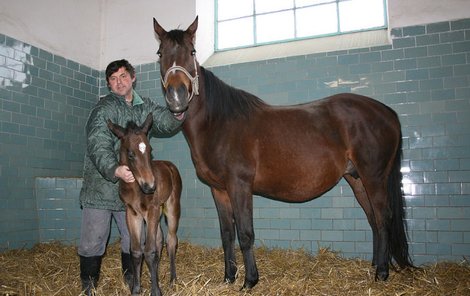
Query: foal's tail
398	245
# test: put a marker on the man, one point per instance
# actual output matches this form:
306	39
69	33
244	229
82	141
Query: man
99	196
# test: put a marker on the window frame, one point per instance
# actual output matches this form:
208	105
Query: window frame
254	15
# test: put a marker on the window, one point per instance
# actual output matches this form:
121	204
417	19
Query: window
245	23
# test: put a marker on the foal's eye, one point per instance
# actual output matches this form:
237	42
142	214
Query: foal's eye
193	52
159	53
130	155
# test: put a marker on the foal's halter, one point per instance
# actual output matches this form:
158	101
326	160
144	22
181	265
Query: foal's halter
194	80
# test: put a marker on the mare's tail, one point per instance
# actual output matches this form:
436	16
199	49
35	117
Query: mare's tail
398	245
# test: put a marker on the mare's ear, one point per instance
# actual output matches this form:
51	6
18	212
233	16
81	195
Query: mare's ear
158	29
147	123
118	130
191	30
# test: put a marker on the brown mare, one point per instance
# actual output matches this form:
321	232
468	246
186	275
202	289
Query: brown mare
242	146
157	191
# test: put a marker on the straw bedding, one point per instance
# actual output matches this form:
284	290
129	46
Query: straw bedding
53	269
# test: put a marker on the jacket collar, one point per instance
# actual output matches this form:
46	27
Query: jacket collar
136	98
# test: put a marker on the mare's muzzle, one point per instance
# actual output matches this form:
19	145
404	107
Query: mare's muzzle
178	96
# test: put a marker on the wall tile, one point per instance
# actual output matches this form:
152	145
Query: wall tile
438	27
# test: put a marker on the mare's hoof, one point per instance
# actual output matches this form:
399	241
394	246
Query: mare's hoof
381	275
249	284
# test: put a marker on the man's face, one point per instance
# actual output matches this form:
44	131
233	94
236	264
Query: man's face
121	82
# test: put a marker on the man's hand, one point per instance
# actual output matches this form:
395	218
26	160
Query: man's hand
124	173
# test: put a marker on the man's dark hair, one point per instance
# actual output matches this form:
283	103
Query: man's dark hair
116	65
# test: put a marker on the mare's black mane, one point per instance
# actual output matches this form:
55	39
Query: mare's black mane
224	102
176	35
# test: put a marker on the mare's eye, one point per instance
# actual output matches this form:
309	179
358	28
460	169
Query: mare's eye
193	52
159	53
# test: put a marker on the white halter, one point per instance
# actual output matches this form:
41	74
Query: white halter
194	80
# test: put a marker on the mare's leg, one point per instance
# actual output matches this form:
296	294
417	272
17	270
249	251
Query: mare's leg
242	203
134	223
152	249
227	232
172	212
378	197
361	196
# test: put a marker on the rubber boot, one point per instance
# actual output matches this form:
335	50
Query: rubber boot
127	269
89	273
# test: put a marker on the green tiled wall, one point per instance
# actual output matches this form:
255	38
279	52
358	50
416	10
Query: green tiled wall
424	75
58	211
44	104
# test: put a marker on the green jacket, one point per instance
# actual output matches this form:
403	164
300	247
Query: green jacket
100	186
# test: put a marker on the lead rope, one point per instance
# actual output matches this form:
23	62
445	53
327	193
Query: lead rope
194	80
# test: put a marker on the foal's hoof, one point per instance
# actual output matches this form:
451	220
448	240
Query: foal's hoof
229	280
245	287
135	292
129	280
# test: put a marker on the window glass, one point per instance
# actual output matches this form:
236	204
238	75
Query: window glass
359	14
236	33
300	3
229	9
244	23
262	6
317	20
275	26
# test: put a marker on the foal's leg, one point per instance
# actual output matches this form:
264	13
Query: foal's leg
361	196
134	223
151	252
227	232
172	212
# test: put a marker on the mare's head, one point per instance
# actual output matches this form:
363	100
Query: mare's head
178	66
136	152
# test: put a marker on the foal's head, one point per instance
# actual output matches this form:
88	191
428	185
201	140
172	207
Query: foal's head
136	152
178	66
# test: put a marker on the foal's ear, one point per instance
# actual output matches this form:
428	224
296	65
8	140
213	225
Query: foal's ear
118	130
191	30
147	123
158	29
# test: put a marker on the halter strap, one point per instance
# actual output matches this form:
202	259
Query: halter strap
194	80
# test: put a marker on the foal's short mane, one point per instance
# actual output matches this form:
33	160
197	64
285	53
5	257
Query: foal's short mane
131	126
224	102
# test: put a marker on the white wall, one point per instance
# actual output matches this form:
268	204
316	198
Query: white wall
64	27
416	12
95	32
127	27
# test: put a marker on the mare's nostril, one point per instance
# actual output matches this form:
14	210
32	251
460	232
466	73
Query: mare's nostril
177	98
182	91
